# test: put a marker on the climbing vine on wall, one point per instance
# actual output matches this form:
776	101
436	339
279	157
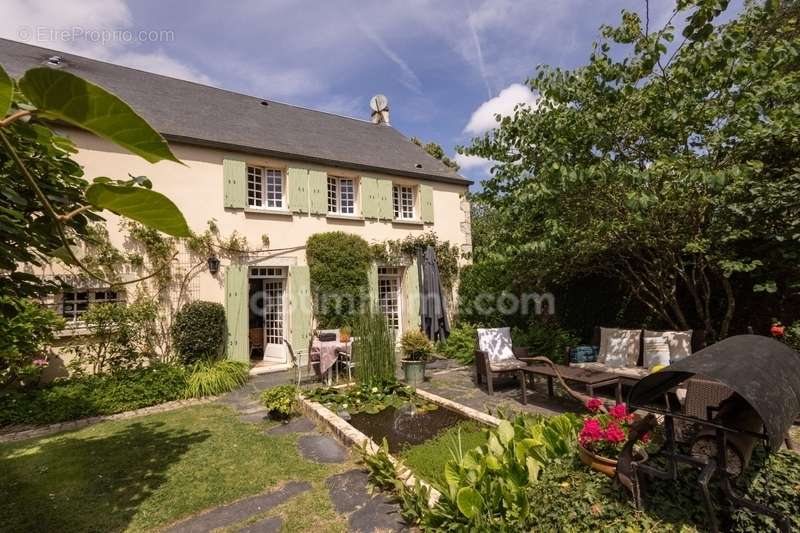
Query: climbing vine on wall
401	250
154	256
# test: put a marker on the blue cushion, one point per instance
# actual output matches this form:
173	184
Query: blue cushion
583	354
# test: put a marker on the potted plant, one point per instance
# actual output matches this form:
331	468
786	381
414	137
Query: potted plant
345	332
416	351
603	435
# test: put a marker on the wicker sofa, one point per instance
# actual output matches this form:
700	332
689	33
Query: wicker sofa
632	373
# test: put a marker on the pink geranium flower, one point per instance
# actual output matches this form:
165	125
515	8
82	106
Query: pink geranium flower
40	362
614	433
619	411
592	431
594	404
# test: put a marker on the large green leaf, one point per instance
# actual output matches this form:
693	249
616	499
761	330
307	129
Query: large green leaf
143	205
469	501
60	95
6	92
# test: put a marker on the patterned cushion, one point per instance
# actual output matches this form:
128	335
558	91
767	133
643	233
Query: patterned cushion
583	354
627	371
619	347
496	342
679	342
656	352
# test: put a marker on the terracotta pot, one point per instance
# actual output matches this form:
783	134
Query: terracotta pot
604	464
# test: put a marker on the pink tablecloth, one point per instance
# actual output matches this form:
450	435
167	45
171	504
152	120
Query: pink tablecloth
326	353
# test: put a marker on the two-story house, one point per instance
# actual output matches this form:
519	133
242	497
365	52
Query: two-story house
256	166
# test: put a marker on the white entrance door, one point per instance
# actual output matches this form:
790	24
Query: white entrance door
274	311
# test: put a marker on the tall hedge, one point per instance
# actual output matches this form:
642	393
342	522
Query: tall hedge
198	331
339	266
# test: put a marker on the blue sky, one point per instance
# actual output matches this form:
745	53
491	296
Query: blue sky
445	66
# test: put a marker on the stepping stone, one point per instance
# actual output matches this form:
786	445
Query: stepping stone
241	510
322	449
296	425
268	525
378	514
348	491
254	418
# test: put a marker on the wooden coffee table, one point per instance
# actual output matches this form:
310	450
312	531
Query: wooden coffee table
592	379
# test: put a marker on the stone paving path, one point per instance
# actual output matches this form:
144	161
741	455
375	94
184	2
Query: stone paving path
367	513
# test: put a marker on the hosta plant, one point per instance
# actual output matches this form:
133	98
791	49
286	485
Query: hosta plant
280	401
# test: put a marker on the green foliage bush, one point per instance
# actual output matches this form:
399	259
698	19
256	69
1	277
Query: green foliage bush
119	337
339	268
280	401
480	284
198	331
460	344
373	349
91	395
544	336
210	378
416	346
27	330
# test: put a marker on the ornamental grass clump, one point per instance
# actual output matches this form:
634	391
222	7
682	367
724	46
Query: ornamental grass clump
210	378
416	346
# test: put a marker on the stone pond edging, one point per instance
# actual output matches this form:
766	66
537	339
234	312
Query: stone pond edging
350	436
43	431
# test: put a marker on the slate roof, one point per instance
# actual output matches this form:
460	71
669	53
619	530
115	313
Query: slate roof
193	113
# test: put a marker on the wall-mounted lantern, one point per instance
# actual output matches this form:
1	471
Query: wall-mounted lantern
213	265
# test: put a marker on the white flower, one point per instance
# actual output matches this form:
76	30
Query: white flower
374	389
344	406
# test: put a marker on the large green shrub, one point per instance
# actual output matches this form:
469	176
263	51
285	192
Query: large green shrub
210	378
198	331
339	268
460	344
119	336
544	336
373	348
92	395
27	330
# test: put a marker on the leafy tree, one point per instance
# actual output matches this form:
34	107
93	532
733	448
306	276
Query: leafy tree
46	205
436	151
672	166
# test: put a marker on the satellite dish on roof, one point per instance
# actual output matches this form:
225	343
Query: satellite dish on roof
379	103
380	109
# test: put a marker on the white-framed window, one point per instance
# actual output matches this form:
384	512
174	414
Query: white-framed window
74	303
389	295
403	199
265	188
267	272
341	195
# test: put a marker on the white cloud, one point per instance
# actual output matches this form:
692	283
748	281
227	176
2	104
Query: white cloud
65	26
472	162
483	118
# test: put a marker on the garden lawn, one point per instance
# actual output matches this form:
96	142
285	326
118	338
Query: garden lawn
147	472
427	460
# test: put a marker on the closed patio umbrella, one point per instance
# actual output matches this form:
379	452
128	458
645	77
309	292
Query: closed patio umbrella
432	306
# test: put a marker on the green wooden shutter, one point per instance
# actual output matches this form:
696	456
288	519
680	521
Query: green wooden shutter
236	295
385	210
369	197
300	312
411	320
318	188
297	187
426	201
373	285
234	177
